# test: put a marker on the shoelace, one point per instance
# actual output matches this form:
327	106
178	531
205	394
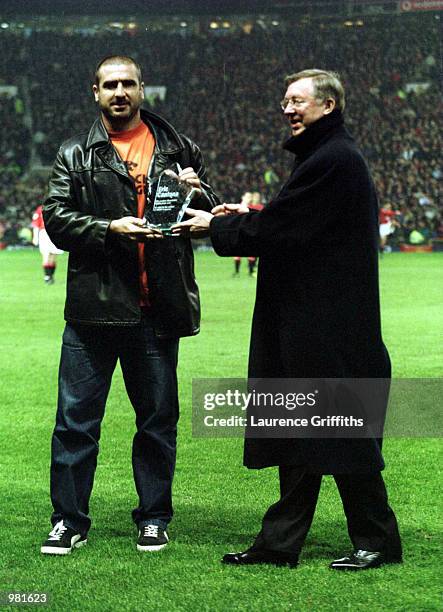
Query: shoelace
150	531
58	531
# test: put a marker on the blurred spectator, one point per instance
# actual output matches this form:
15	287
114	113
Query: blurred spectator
47	249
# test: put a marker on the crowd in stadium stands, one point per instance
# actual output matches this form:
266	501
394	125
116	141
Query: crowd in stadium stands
223	91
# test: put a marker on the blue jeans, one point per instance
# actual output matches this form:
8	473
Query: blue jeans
88	359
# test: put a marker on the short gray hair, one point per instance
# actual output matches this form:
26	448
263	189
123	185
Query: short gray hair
326	84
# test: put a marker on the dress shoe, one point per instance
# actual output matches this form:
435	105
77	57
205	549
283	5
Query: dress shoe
253	557
363	559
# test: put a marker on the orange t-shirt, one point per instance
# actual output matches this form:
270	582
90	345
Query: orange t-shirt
135	148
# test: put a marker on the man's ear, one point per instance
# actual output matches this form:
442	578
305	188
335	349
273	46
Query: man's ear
95	90
329	106
142	87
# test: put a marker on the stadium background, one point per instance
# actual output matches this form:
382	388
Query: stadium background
223	79
222	66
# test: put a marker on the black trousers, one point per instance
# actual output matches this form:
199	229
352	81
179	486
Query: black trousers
371	522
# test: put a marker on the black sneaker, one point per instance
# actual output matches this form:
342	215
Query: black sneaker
151	537
61	540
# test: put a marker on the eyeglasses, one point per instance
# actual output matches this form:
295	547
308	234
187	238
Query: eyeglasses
294	102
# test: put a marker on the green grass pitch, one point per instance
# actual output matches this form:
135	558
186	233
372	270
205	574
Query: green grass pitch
218	503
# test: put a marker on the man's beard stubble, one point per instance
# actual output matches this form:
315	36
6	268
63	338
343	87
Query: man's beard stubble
119	120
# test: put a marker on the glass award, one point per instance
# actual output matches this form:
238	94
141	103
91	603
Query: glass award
167	200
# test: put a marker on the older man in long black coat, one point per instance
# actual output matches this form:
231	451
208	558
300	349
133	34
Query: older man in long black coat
316	315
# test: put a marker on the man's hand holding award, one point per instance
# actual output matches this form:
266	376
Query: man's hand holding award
169	196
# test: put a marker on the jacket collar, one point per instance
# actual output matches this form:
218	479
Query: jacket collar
304	144
167	140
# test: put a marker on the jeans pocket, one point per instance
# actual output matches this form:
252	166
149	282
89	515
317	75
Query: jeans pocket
75	337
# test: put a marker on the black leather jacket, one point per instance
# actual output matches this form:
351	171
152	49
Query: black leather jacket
89	187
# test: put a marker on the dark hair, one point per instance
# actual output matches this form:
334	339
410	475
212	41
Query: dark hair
326	84
117	59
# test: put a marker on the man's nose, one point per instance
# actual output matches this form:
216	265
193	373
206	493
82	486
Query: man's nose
120	90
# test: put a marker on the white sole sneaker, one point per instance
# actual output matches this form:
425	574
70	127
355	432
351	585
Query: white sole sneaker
53	550
151	548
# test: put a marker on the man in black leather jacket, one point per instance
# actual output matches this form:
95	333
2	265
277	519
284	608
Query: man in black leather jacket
131	294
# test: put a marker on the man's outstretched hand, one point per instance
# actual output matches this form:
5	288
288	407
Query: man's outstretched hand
134	229
196	227
229	209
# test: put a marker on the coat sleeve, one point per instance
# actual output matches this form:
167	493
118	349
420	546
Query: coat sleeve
208	199
69	228
313	205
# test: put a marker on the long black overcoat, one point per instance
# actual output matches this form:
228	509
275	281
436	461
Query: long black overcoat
317	310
